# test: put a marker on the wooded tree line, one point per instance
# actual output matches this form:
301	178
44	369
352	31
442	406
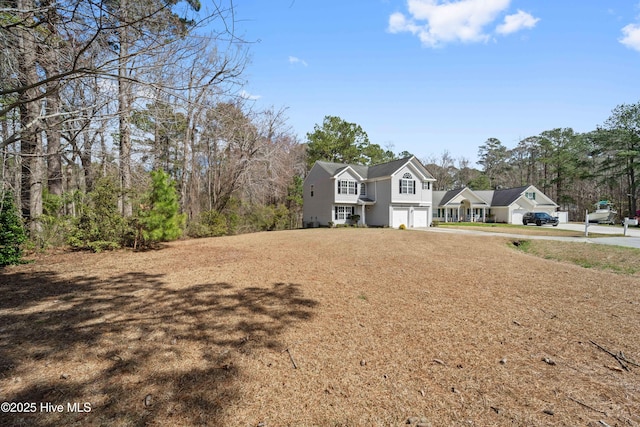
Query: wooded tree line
575	169
97	93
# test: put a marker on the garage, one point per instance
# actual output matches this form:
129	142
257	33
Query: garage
516	216
400	216
420	217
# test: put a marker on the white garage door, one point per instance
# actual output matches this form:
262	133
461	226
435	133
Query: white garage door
420	218
400	216
516	216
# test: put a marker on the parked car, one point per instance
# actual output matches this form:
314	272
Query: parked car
539	218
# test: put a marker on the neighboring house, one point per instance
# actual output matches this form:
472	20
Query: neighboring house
506	205
388	194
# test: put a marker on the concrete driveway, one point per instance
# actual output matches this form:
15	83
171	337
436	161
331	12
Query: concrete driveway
632	239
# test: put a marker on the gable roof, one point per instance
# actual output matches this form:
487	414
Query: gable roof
450	195
370	172
444	197
510	195
507	196
493	198
387	169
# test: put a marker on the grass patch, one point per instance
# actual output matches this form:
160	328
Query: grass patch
588	255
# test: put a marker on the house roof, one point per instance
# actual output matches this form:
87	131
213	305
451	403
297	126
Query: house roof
493	198
371	172
450	195
507	196
387	169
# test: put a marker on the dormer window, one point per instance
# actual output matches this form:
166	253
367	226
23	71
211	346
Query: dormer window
363	189
407	184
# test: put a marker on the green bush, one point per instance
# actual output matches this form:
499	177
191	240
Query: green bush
268	217
99	225
12	234
55	226
209	224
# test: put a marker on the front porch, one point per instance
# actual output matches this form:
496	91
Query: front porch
464	212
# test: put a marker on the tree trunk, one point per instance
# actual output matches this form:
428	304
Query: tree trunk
53	120
54	156
124	111
30	142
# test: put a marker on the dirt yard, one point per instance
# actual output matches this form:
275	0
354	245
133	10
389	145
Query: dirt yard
323	327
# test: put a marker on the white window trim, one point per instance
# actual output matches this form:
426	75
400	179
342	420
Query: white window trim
407	186
342	212
347	186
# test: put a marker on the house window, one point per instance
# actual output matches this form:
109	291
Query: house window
347	187
343	212
407	184
530	196
312	191
426	185
363	189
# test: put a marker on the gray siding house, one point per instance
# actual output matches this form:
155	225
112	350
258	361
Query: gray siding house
388	194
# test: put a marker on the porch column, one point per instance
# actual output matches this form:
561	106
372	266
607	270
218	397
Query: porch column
363	218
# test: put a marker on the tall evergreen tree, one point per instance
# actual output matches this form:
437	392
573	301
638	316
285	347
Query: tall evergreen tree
160	219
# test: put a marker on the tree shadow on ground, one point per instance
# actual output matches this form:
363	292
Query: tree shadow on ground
137	350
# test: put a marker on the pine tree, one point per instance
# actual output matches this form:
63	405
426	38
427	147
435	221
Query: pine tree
159	218
12	233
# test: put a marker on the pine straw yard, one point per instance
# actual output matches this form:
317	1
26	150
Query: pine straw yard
383	325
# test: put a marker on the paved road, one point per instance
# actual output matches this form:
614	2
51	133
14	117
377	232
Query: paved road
632	239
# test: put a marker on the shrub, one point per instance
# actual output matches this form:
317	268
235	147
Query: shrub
267	217
208	224
55	226
435	223
100	225
402	227
12	233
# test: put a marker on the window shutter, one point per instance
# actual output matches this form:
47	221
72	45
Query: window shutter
414	187
338	189
400	186
356	185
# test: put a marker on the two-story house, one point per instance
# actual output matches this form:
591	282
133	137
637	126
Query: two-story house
388	194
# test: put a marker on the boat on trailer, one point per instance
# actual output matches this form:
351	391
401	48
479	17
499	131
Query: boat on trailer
604	213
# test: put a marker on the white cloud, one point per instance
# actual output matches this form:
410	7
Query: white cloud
631	36
517	22
296	60
437	22
246	95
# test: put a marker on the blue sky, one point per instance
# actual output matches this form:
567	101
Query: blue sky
427	75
